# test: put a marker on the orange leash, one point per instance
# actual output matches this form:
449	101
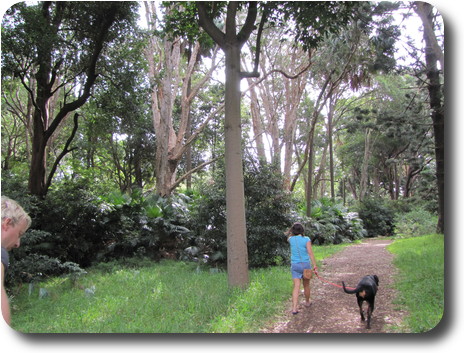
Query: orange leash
333	284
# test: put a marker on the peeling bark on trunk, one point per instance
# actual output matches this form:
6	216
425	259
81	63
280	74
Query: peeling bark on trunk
171	145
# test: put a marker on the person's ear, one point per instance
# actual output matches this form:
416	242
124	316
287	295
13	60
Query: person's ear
6	223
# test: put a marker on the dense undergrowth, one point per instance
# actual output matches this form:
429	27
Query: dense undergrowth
78	226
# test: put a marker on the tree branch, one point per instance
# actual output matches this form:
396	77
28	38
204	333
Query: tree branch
190	172
91	73
249	25
255	72
208	25
197	132
64	152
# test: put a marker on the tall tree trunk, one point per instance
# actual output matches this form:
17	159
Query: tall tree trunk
319	177
424	10
310	159
37	173
237	252
330	137
258	130
282	93
432	55
163	124
365	165
231	43
188	134
45	123
171	80
294	89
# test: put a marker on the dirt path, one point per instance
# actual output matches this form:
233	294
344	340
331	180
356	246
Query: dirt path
334	311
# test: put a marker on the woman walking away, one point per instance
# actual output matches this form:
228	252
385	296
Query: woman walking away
302	257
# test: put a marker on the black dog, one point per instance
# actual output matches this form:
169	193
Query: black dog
365	291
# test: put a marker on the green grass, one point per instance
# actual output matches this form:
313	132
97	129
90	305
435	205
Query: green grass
321	252
166	297
163	297
420	261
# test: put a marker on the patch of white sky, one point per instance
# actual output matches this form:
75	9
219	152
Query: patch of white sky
411	39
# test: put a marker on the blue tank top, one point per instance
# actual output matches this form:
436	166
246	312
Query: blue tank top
5	259
298	249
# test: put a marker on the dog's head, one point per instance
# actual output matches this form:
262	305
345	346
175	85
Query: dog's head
376	279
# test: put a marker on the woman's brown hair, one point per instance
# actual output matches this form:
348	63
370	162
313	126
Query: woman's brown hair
297	229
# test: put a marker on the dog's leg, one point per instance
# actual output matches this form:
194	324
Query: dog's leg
370	310
361	312
369	314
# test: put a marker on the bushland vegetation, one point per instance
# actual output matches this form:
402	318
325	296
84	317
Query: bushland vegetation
116	129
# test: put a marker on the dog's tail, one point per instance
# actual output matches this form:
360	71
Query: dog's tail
349	291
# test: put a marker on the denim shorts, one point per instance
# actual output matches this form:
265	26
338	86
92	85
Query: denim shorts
297	269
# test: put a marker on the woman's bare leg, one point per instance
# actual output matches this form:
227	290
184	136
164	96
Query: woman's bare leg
307	291
295	294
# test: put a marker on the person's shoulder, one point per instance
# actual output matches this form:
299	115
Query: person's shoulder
292	237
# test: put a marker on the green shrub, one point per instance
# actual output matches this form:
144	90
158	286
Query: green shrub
331	223
29	264
268	212
378	218
268	215
416	222
73	225
34	268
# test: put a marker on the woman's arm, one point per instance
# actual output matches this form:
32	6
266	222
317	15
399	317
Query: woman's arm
288	233
309	248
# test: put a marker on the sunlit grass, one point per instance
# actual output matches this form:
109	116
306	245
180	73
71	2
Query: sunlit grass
166	297
421	280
